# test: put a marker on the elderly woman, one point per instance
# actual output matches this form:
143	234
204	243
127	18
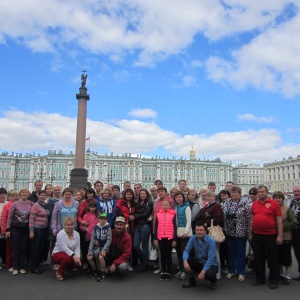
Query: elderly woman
211	211
237	213
289	221
66	252
67	207
17	229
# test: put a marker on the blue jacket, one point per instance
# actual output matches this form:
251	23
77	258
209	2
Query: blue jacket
107	206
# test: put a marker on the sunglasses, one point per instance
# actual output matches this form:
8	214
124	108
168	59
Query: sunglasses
253	194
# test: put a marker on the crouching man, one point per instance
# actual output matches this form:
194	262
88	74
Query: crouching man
120	248
200	257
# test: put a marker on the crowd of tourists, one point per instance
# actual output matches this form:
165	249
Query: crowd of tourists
106	231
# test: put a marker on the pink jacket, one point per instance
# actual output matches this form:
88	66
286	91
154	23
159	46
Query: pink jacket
165	224
93	221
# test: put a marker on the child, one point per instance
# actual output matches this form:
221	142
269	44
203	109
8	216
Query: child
99	246
165	237
90	221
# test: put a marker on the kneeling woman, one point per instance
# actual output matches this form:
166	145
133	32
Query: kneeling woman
66	252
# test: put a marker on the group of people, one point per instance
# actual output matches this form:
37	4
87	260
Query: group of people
109	231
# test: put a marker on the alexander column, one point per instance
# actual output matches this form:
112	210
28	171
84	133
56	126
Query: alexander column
79	174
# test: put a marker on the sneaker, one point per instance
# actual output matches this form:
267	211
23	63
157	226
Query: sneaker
130	268
241	277
173	250
177	275
15	272
183	276
167	276
93	275
158	271
55	267
85	266
230	275
22	271
10	269
162	276
224	271
286	280
218	276
101	277
44	263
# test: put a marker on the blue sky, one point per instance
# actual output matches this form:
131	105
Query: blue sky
222	76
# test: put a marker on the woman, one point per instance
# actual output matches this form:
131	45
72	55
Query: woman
125	207
237	213
49	191
173	191
144	208
66	252
202	193
224	260
38	228
211	211
18	230
67	207
184	230
289	221
193	200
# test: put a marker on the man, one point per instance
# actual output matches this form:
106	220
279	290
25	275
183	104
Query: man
35	194
182	186
200	256
116	195
126	185
295	207
3	194
212	186
136	188
265	233
98	187
229	185
120	248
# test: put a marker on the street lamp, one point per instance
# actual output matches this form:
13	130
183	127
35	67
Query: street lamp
110	176
51	178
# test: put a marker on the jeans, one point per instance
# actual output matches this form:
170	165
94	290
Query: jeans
142	234
37	246
237	254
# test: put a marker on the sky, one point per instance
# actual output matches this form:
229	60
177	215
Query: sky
222	77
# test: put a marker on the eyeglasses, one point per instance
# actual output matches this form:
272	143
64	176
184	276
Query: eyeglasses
253	194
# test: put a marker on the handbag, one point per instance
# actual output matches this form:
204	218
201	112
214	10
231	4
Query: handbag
153	254
216	232
250	259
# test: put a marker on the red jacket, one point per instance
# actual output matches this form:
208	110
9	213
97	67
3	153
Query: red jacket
4	216
123	242
123	209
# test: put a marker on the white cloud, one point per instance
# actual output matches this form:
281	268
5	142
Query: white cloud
269	62
143	113
40	131
188	80
251	117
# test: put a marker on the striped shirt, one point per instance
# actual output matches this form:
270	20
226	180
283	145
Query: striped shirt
38	216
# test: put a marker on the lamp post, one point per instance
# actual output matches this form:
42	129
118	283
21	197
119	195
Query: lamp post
110	176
